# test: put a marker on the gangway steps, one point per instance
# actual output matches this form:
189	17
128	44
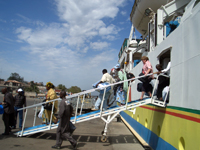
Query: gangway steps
36	129
85	117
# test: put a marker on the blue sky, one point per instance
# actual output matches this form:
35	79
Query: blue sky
62	41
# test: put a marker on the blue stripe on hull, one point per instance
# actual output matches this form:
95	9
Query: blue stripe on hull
151	138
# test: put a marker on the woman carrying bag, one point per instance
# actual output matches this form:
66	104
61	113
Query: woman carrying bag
51	94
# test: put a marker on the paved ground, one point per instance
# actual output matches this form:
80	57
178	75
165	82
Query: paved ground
88	135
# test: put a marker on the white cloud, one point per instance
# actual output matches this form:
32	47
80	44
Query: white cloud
110	37
50	36
123	13
64	49
105	57
84	18
84	50
82	22
27	20
24	33
80	11
99	45
111	29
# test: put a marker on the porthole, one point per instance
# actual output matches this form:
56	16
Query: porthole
158	131
181	145
146	123
138	118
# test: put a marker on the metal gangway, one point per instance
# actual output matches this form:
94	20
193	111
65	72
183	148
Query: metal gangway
106	115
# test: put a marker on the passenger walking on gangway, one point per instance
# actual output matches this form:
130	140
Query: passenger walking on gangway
122	89
63	130
112	98
106	115
146	69
105	78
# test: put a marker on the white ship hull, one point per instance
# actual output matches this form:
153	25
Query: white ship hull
177	126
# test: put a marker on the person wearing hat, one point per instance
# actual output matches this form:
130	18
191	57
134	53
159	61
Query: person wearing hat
122	89
20	101
51	94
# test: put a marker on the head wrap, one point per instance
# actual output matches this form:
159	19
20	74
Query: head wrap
49	84
117	66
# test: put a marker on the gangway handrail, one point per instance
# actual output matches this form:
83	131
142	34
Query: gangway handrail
87	91
101	113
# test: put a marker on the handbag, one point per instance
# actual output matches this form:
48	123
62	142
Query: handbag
1	109
41	112
47	106
72	127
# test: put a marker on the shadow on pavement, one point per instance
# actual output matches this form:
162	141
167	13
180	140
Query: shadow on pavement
88	138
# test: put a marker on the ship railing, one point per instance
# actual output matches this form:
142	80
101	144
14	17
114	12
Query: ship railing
77	95
154	99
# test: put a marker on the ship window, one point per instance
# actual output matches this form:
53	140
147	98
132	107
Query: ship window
158	131
136	58
164	57
138	118
146	123
171	26
181	144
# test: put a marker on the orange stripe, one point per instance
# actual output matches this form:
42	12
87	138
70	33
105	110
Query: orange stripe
174	114
129	94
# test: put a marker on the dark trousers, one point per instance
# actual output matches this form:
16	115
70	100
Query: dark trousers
8	120
146	87
163	82
62	136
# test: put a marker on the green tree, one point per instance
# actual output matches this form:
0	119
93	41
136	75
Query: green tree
33	87
62	87
16	76
74	89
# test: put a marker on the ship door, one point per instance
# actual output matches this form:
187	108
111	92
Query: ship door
163	87
165	57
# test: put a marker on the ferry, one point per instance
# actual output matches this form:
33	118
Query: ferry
170	31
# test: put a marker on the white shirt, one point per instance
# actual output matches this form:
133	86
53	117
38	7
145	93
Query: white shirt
108	78
167	70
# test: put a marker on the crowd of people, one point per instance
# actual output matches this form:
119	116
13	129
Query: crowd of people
118	74
11	105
